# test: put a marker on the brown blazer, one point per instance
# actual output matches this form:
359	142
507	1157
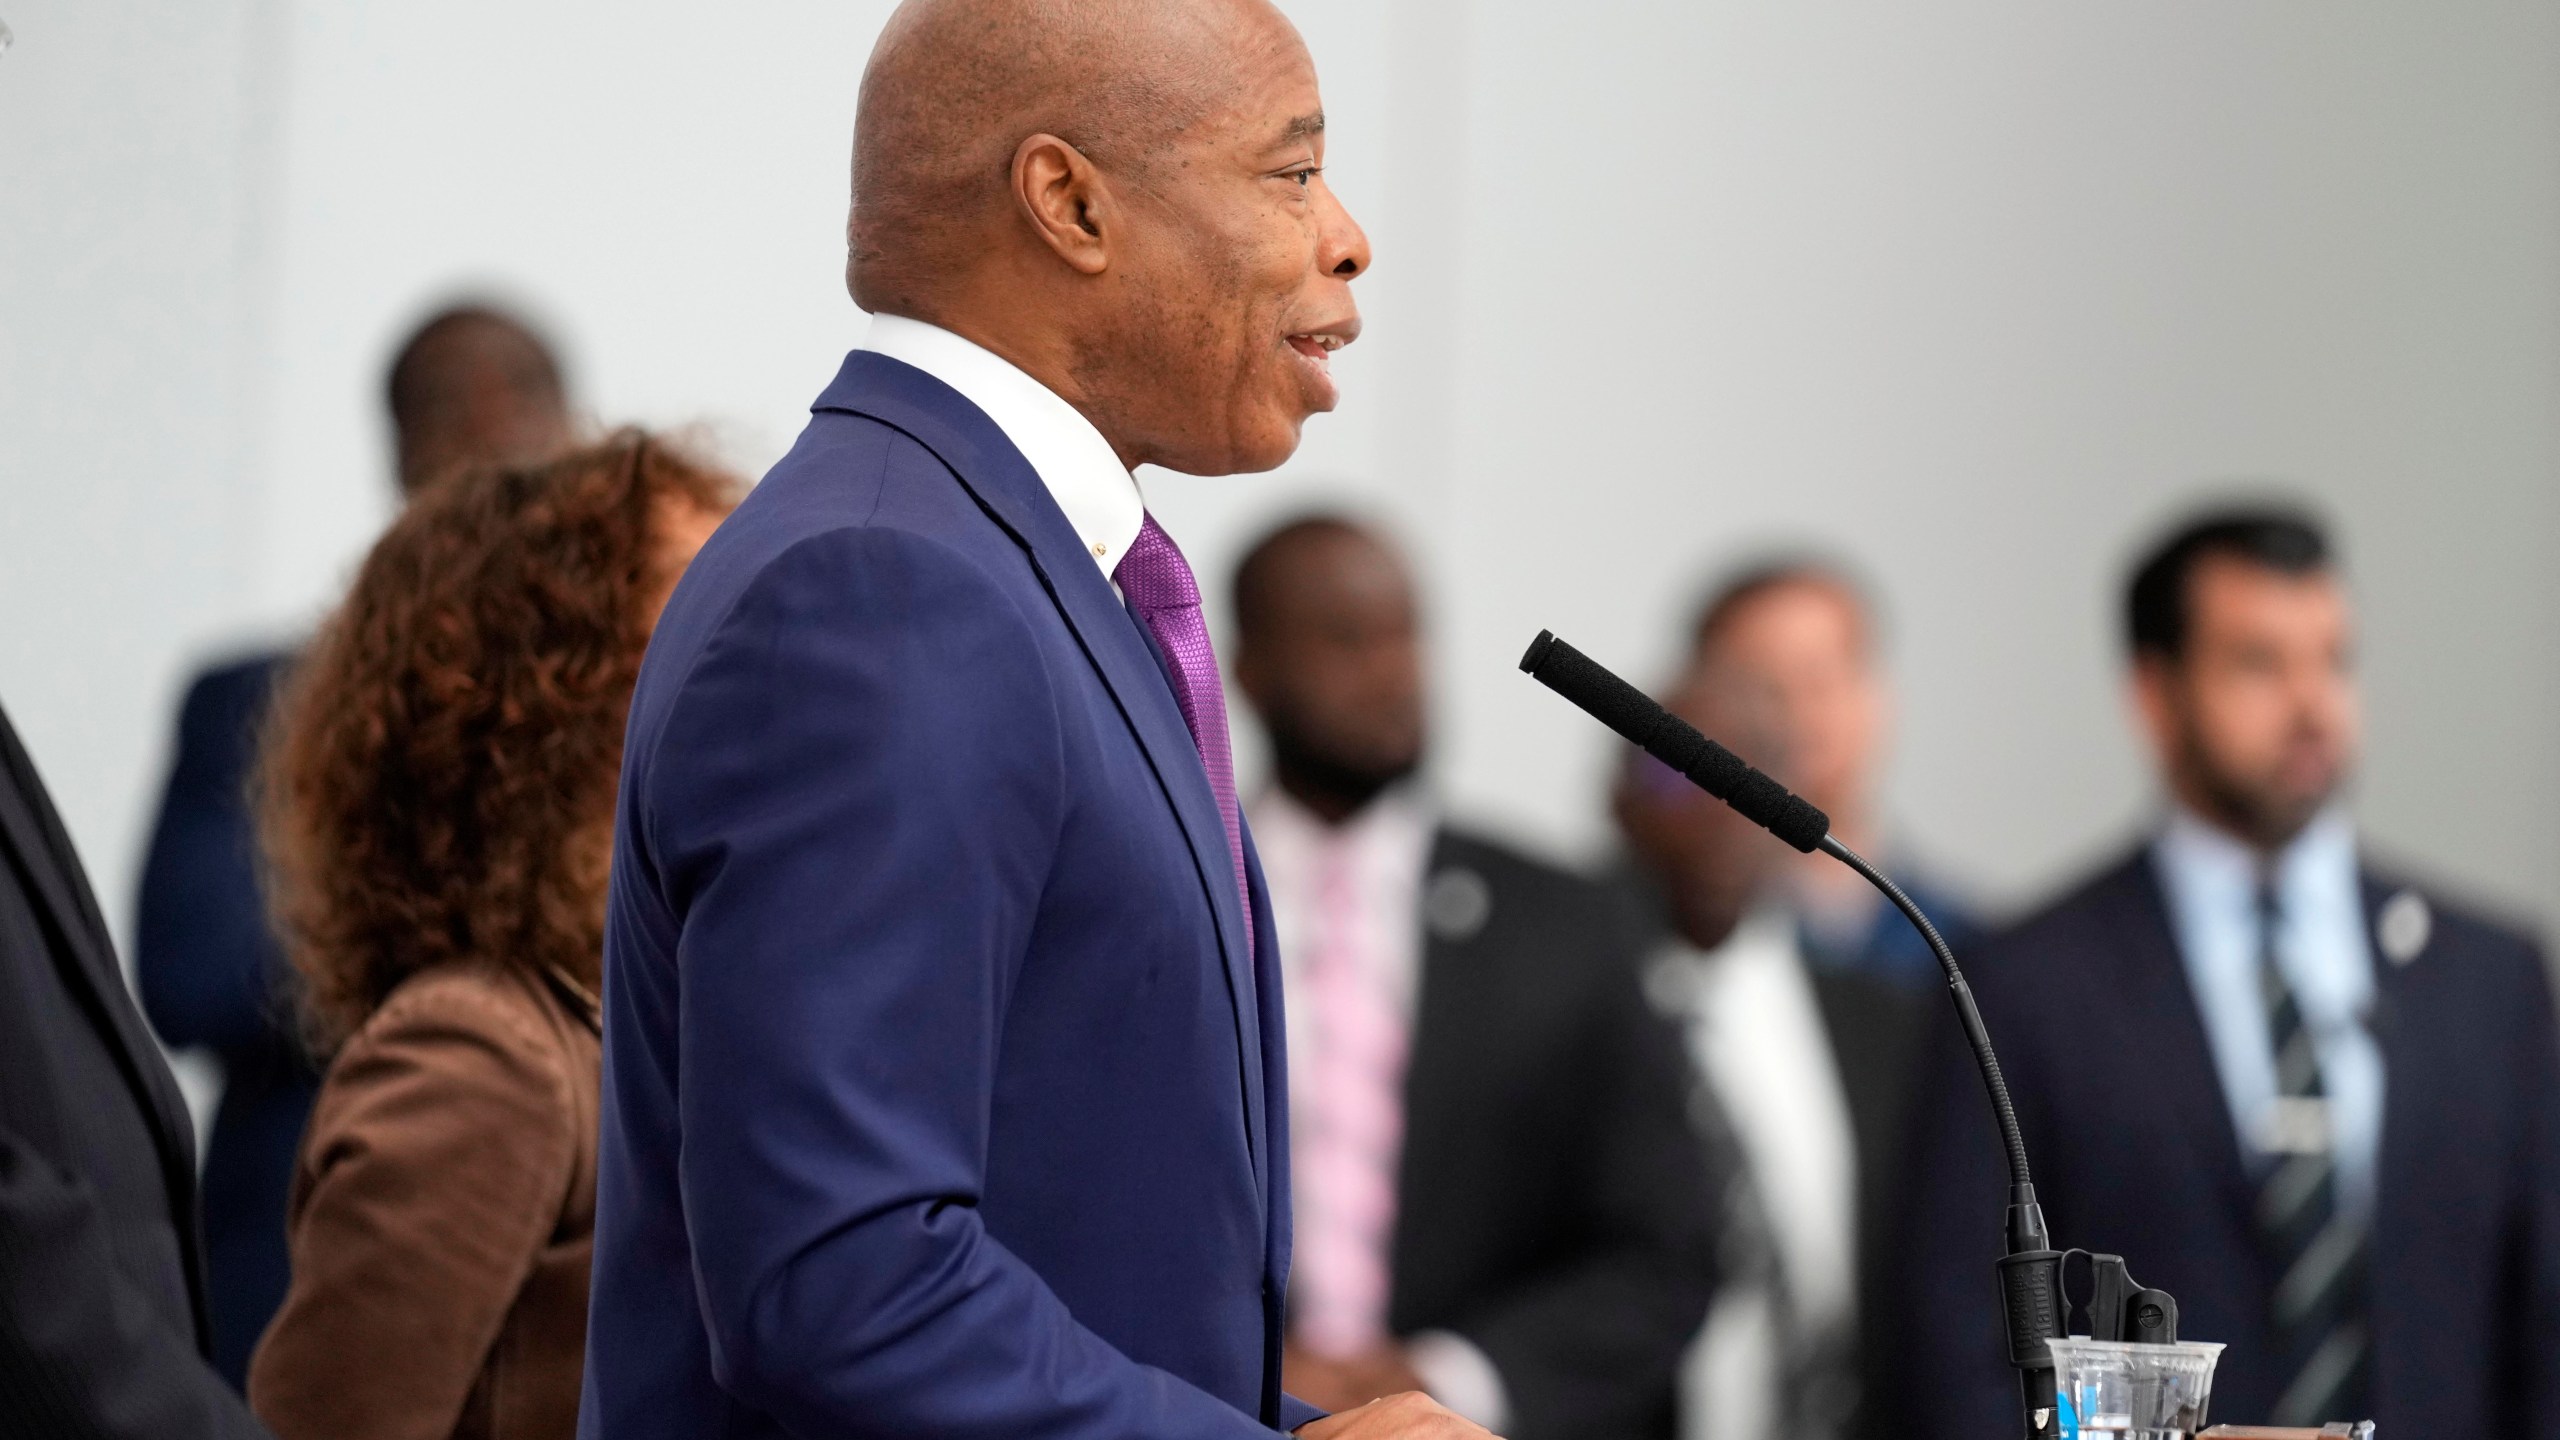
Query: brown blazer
442	1221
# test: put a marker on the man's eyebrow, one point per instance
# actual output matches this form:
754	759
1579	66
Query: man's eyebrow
1301	128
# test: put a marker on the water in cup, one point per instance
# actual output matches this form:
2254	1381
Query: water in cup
2117	1390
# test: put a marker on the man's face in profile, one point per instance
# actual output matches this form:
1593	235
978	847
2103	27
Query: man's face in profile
1238	276
2256	721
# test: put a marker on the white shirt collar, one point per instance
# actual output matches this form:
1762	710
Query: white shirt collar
2316	866
1084	475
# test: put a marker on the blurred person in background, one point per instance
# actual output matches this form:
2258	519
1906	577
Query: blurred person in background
438	802
2317	1103
1497	1189
1804	632
470	384
103	1330
1808	1066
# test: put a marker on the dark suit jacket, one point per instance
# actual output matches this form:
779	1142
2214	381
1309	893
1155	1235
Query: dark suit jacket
210	975
2105	1053
102	1318
943	1095
1554	1204
1875	1023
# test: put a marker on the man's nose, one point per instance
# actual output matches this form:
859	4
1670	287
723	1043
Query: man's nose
1343	247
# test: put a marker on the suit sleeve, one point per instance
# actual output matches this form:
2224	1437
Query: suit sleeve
853	805
204	957
1593	1346
1296	1413
440	1155
82	1356
2538	1337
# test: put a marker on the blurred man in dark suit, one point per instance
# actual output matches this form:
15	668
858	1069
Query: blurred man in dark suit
470	384
1803	633
2316	1103
102	1304
1808	1064
1498	1196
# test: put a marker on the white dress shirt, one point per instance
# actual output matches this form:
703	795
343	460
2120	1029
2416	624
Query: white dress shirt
1388	847
1081	470
2210	881
1756	1033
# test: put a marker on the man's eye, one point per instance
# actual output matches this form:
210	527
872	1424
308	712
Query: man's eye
1306	176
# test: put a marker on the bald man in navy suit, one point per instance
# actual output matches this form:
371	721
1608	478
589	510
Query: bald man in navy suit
944	1089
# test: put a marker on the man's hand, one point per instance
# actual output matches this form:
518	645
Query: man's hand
1409	1416
1346	1384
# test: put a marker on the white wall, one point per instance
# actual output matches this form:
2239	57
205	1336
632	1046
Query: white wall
130	187
1974	292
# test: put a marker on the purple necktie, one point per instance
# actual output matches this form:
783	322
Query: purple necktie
1159	586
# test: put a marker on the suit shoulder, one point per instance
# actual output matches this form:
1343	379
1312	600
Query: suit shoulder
2092	901
846	471
252	672
479	1000
1507	867
2454	915
2501	956
852	489
233	691
1552	930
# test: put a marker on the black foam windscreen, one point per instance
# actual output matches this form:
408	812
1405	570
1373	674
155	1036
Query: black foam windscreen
1673	741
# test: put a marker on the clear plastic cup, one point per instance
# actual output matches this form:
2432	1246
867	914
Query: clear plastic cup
2117	1390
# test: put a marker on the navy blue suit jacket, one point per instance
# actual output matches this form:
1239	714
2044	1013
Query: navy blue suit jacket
942	1097
2135	1154
211	975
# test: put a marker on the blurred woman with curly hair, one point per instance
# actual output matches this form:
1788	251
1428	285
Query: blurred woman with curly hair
438	805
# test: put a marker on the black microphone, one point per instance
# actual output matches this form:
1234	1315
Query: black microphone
2030	1274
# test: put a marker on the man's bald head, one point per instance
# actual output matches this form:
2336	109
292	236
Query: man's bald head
1125	199
474	384
955	86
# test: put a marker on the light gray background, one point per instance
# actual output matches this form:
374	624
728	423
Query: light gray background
1974	293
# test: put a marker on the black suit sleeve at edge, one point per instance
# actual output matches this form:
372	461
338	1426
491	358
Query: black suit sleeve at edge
2537	1343
83	1357
1593	1349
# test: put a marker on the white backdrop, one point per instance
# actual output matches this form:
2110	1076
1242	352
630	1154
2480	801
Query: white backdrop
1974	293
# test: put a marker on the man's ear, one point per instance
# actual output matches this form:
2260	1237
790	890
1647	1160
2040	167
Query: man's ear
1066	200
2157	695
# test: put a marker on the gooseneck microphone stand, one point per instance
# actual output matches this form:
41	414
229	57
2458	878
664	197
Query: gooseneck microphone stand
2031	1272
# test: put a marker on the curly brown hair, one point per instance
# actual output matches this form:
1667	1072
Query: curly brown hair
438	782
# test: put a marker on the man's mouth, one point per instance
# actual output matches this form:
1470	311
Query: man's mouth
1319	345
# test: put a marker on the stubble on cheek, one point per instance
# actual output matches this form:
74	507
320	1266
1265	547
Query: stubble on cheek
1174	370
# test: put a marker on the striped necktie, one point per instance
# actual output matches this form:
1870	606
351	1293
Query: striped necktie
2320	1254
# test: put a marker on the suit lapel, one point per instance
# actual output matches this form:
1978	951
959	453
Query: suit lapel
2165	1029
33	834
1011	492
1435	1078
2405	1103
